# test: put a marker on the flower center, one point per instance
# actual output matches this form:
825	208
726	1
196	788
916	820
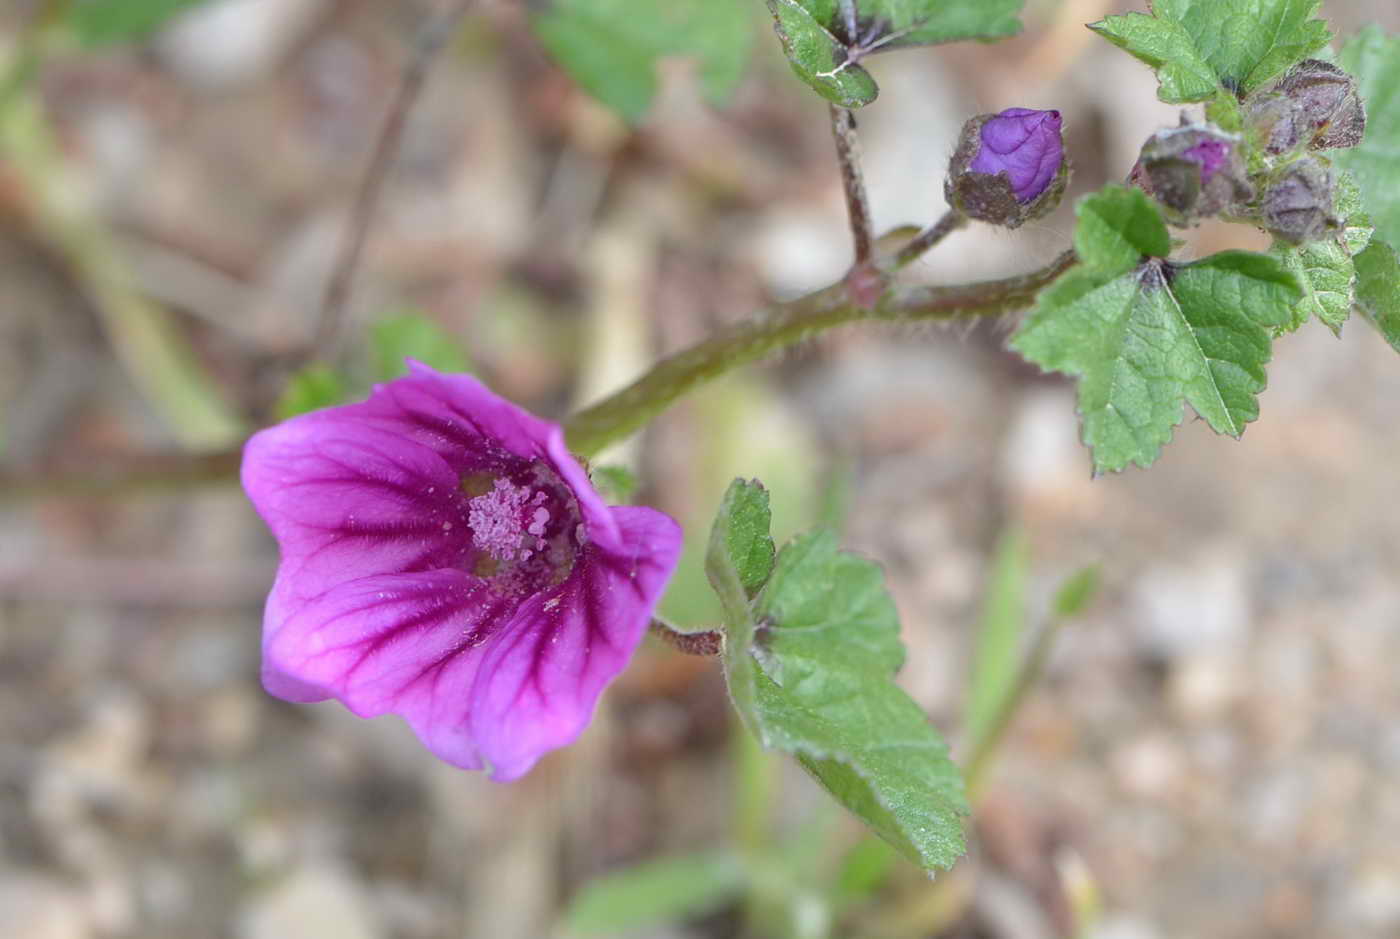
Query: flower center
503	519
526	528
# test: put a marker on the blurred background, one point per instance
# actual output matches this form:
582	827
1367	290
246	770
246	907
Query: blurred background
1213	749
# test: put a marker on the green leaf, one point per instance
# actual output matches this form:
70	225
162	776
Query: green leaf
903	23
1144	337
617	484
821	597
103	22
1201	48
1324	268
819	58
747	543
1076	593
1357	226
410	336
1117	228
1182	73
1324	271
826	52
612	47
656	893
723	574
999	636
1378	289
1374	59
815	679
312	388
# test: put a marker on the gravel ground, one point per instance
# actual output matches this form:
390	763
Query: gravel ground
1215	745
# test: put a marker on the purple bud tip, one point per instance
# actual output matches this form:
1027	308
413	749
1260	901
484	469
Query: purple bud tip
1025	144
1210	154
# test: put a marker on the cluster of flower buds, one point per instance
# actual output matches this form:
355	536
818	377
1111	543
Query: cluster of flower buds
1268	174
1009	167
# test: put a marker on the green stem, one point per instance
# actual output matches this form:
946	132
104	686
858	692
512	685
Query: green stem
119	475
29	48
951	221
627	411
155	354
985	748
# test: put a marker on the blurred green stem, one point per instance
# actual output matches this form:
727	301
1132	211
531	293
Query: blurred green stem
154	353
628	410
29	50
124	475
985	746
753	791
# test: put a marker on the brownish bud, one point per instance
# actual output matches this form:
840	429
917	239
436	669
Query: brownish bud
1315	104
1297	205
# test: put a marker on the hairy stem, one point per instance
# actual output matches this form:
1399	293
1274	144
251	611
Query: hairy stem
951	221
843	129
628	410
704	642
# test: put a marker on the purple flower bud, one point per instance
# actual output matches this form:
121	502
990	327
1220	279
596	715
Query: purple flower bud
1008	167
1297	205
445	559
1194	171
1316	104
1023	143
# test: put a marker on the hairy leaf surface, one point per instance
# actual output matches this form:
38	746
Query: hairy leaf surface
1374	59
826	40
1201	48
810	664
1145	334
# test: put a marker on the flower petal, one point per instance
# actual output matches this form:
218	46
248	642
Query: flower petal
346	499
541	677
482	682
389	644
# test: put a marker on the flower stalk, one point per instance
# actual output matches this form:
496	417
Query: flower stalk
628	410
702	642
843	129
927	239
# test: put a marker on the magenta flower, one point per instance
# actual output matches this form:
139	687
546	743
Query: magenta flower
445	558
1023	143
